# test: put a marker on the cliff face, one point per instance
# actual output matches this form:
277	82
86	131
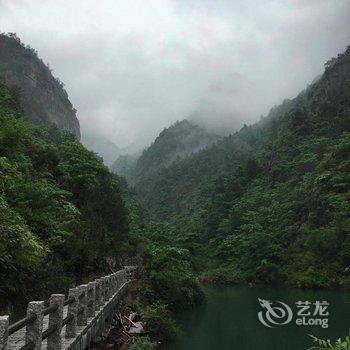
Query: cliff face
41	96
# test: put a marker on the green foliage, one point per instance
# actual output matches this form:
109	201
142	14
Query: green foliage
61	211
270	203
328	345
178	141
143	343
170	278
159	323
97	196
169	283
37	93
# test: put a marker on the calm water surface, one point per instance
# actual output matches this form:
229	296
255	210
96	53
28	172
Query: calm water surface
229	320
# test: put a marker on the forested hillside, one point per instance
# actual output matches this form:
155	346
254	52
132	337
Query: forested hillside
41	96
62	216
271	202
178	141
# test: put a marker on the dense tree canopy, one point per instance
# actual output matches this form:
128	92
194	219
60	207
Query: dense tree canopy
62	215
269	203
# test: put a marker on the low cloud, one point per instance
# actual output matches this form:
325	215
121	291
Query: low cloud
134	67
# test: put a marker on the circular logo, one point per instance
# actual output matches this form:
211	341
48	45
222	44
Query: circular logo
274	313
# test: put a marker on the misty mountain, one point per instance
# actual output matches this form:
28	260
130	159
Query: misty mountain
269	203
103	147
178	141
125	164
41	96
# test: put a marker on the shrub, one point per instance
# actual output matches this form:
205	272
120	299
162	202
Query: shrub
328	345
143	344
159	323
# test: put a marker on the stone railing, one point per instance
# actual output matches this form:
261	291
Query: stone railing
71	322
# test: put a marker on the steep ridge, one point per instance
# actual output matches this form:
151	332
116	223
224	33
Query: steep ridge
178	141
42	97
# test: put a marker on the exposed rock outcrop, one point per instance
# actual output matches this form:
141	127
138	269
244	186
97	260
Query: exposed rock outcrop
42	96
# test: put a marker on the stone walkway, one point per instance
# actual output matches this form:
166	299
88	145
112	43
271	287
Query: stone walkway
17	339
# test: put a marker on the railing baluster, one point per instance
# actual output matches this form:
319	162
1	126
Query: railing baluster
71	327
105	288
34	329
110	283
4	331
82	312
54	341
116	282
113	283
83	302
98	296
91	299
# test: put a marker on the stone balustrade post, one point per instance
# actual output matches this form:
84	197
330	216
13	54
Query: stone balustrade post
100	283
108	287
4	331
54	341
98	295
114	288
125	271
105	288
71	327
121	276
116	282
100	289
110	278
82	310
92	299
125	275
34	329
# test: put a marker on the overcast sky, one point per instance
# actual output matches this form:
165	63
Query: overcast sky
133	67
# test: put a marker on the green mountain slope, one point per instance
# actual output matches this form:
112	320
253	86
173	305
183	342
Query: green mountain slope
62	216
271	202
42	97
178	141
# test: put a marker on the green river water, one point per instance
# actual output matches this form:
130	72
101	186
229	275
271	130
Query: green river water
229	320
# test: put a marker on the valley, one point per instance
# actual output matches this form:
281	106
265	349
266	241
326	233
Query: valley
219	226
